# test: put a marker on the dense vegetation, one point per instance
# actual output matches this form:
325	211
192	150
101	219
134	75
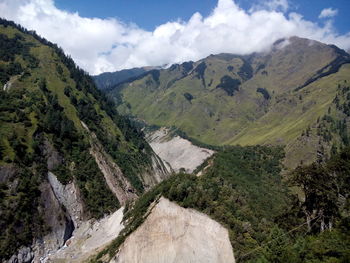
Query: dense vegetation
323	214
229	85
264	92
240	188
25	126
243	191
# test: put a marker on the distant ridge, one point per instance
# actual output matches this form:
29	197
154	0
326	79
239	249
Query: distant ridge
262	98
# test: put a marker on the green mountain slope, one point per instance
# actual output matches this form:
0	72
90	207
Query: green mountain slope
266	98
53	120
108	80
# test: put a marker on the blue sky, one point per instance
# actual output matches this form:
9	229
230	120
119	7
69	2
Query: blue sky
110	35
151	13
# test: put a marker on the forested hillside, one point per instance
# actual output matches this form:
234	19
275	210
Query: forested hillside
53	119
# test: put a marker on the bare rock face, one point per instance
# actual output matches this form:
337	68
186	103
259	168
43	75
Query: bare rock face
174	234
57	219
7	173
68	195
176	151
155	174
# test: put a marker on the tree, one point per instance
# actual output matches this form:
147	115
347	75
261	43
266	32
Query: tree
320	190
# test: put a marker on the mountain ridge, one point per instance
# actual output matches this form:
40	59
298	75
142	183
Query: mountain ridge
215	99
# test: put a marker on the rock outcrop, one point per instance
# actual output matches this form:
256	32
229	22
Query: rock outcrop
68	195
176	151
53	158
157	173
174	234
7	173
57	218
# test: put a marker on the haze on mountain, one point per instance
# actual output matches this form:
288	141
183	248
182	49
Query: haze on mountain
236	156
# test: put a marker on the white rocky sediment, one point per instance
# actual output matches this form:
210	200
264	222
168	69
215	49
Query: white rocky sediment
89	239
176	151
174	234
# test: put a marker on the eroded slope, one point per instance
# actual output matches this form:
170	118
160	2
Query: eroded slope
173	234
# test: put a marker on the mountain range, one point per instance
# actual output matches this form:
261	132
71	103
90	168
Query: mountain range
268	98
230	158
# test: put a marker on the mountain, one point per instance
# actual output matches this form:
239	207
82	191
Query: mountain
271	98
79	182
107	80
66	155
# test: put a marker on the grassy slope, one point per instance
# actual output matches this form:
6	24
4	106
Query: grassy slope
246	118
48	62
293	112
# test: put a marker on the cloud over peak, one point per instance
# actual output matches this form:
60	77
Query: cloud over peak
100	45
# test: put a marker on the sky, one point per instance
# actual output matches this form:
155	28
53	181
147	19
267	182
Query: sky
110	35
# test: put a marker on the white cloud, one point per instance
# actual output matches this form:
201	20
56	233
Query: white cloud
328	12
99	45
271	5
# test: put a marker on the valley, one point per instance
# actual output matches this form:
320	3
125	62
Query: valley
268	98
232	158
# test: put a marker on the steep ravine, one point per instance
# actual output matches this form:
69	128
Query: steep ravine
62	212
114	176
115	180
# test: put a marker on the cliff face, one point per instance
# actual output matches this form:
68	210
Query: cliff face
174	234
